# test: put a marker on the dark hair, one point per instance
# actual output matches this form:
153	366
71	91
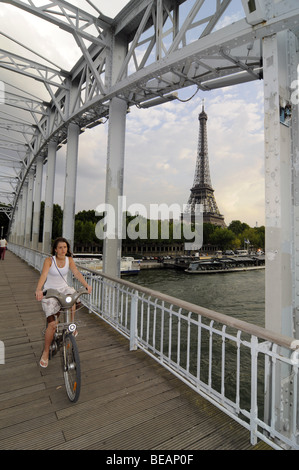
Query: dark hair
63	240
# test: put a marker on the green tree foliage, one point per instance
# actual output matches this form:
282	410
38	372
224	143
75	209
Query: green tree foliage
57	221
237	227
56	224
244	233
89	216
84	231
234	236
223	238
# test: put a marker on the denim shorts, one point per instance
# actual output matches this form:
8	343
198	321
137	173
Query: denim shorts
52	306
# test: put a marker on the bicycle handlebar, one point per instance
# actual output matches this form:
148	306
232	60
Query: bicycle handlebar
66	300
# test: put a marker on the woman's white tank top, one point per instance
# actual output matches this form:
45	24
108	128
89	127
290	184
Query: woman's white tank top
57	277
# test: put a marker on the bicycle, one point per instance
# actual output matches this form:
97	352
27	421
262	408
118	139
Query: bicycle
64	338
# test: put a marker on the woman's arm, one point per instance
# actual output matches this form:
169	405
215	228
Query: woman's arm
42	279
78	275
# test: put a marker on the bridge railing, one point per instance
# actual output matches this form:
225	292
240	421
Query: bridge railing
248	372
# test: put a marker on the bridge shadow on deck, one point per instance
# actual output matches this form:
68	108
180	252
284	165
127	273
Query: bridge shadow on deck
127	400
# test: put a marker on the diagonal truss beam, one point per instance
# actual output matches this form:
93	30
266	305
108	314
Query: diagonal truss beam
9	162
27	104
67	17
16	126
31	69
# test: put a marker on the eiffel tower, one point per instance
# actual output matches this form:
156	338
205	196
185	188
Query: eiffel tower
202	191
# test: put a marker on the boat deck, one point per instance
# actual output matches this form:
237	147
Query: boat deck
127	400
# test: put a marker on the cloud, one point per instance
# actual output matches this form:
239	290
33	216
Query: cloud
111	8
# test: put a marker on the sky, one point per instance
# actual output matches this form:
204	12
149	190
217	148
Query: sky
161	142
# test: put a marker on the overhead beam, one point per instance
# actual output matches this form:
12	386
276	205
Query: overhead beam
32	69
75	20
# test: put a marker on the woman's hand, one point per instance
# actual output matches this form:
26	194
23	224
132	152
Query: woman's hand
39	295
38	292
89	288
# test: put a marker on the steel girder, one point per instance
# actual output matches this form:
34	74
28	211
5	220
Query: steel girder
170	45
67	17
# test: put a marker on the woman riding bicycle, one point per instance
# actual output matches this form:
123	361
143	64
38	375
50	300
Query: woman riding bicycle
54	276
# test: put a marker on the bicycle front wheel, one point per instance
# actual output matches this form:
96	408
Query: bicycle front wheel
71	368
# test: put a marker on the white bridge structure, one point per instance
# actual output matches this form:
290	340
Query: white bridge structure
150	50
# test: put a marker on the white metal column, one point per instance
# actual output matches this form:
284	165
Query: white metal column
37	202
294	58
23	212
16	225
12	235
115	159
280	61
278	52
70	183
18	220
114	183
49	197
29	209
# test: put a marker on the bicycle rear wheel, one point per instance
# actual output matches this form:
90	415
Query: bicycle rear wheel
71	368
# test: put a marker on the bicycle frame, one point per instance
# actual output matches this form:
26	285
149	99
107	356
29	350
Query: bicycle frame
62	328
64	338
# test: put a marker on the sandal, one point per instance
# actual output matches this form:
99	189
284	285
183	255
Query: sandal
43	363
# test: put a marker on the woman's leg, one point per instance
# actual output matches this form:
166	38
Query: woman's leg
52	323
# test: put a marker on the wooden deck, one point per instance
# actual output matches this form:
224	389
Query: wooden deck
127	400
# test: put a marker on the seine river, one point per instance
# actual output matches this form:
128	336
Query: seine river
240	294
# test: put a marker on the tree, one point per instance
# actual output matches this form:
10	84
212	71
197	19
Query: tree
256	237
238	227
57	221
85	216
208	230
223	238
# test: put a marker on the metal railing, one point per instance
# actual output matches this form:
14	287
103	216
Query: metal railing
248	372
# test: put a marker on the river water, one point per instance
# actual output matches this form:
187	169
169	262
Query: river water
240	294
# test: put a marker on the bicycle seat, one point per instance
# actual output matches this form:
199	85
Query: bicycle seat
65	300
